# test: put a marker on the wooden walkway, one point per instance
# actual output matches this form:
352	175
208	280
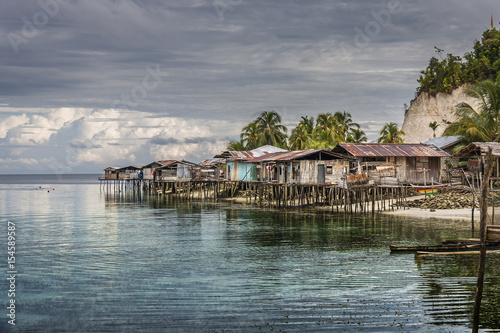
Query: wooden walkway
358	199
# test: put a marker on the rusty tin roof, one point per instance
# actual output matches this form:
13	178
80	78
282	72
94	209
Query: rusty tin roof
478	149
293	155
390	149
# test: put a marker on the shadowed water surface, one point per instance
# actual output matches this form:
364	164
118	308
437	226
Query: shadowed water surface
91	262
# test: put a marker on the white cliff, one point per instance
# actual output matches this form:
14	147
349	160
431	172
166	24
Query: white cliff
426	109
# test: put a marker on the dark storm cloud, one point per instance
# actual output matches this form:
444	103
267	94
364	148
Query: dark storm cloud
220	64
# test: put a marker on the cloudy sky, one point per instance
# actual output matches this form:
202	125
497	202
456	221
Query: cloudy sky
89	84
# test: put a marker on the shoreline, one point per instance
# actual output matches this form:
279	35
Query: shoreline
463	214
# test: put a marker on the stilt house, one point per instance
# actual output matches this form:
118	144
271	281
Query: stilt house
168	170
475	154
237	165
310	166
394	162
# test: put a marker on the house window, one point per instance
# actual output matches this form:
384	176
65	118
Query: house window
329	170
422	163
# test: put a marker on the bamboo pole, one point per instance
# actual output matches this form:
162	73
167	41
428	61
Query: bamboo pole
482	256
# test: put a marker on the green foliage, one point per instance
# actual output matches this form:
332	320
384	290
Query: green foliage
265	130
434	125
391	133
483	63
483	124
326	131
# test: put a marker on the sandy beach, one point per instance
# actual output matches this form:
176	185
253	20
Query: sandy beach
454	214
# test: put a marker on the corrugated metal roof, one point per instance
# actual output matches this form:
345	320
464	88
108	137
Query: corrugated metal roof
267	157
212	162
267	149
292	155
131	167
444	142
250	154
479	148
161	163
390	149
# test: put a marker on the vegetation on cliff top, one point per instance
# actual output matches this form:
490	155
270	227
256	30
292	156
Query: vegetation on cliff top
482	63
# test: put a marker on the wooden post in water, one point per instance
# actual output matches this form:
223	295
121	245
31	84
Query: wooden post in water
482	228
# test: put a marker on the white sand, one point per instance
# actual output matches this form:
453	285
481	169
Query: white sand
455	214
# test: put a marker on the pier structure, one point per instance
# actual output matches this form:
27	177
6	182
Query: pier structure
356	199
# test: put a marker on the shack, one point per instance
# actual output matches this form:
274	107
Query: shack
110	173
449	165
309	166
475	154
393	163
237	165
128	172
167	170
210	169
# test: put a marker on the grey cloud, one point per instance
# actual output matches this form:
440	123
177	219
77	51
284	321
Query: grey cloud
163	141
281	55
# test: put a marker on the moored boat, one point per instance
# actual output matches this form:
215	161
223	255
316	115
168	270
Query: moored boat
433	188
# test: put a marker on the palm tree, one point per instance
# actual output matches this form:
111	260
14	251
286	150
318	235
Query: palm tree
481	125
236	145
357	136
322	139
345	125
326	129
391	133
434	125
301	134
270	129
250	135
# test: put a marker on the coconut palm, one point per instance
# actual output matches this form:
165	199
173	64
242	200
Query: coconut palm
433	125
357	136
250	135
326	129
345	125
482	124
391	133
322	139
301	134
236	145
270	129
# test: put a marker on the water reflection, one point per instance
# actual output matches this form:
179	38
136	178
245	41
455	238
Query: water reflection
223	266
449	288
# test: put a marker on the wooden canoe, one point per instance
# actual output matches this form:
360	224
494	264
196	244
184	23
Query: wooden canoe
432	248
457	252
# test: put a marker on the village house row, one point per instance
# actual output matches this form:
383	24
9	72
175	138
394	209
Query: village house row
345	165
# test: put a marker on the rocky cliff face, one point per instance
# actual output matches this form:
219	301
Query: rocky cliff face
426	109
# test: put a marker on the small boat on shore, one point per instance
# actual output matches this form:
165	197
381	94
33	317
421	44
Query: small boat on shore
457	246
431	189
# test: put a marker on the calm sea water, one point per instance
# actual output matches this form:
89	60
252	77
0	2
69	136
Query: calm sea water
88	261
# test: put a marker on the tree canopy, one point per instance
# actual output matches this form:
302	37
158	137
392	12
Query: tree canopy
326	131
391	133
481	124
482	63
